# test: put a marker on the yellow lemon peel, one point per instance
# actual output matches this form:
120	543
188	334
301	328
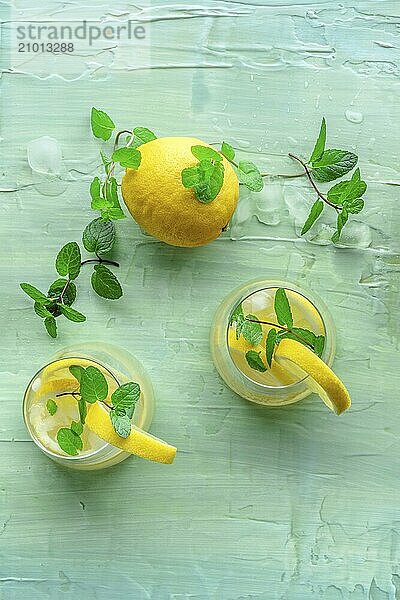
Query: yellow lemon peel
323	380
139	442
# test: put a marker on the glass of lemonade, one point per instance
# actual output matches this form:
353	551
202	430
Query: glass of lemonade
54	381
275	386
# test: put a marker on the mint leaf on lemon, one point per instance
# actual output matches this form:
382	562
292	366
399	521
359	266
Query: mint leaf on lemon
206	153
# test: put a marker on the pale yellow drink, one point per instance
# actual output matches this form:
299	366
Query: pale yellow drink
53	380
261	305
277	385
118	367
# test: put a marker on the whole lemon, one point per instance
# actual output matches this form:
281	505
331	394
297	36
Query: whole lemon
162	206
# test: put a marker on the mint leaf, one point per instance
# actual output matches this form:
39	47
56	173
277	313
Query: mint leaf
69	441
255	361
347	190
51	326
250	176
102	125
315	212
206	178
98	203
270	345
252	332
206	153
143	135
68	261
105	284
57	287
112	193
113	213
320	143
238	319
82	410
71	313
190	177
319	345
228	151
127	157
303	336
354	206
77	427
99	236
282	308
77	371
51	406
33	292
41	310
121	424
94	385
341	222
212	179
125	398
333	164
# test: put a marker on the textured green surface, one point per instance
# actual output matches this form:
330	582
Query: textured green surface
260	504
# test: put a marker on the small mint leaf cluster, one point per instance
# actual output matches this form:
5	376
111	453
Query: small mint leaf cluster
93	387
250	327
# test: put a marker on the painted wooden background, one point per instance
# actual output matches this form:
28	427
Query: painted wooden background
260	504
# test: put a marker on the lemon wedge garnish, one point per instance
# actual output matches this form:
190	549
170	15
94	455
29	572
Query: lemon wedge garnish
138	442
56	385
322	380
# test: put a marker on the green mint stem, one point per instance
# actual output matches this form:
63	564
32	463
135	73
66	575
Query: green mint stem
113	164
283	329
100	261
85	262
286	175
119	135
307	170
76	394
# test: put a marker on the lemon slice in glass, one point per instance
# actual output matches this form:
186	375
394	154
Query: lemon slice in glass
138	442
301	361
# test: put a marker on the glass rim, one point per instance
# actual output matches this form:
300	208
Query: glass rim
265	386
36	439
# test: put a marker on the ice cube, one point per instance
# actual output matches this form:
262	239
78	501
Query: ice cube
45	156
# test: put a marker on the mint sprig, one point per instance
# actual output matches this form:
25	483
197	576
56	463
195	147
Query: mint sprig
284	328
98	237
207	176
93	387
345	196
